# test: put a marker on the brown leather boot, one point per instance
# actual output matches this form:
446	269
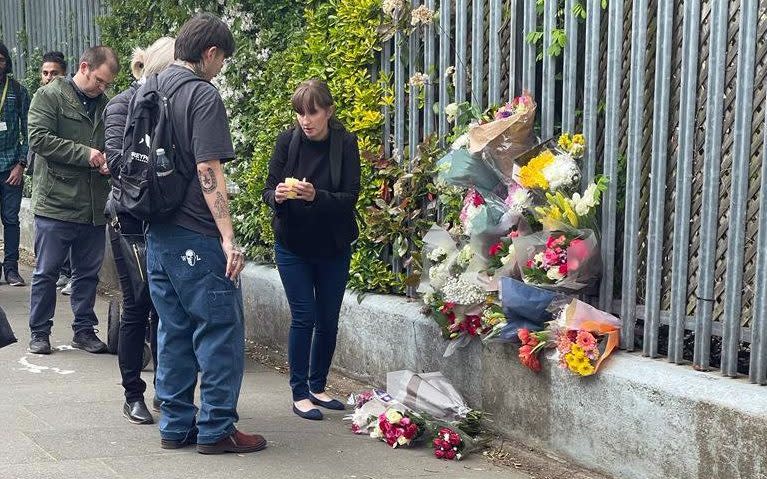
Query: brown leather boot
238	442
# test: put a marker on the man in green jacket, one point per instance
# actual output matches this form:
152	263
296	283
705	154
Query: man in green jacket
66	132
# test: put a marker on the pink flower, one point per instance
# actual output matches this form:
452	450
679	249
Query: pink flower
514	234
563	269
550	257
496	248
477	200
586	340
577	253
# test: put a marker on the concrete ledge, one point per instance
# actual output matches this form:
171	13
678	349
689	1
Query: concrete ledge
638	418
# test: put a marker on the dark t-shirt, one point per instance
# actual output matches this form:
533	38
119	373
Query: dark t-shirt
201	130
89	104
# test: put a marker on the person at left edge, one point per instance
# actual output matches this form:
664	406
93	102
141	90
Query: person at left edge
71	184
14	105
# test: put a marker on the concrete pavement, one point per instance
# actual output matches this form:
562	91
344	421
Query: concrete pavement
60	417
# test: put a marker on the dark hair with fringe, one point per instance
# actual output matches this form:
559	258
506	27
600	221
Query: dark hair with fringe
8	62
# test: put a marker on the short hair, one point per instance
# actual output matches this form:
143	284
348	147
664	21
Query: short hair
201	32
156	58
55	57
8	62
99	55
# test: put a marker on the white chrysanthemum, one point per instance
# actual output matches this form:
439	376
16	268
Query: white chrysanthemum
428	297
461	142
392	7
561	172
421	15
462	292
451	111
419	79
520	200
538	258
437	255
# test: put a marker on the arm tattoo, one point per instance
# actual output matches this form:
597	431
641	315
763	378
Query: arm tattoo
220	206
208	180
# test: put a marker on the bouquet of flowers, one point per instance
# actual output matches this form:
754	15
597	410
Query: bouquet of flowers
459	168
549	172
574	212
525	307
398	427
584	337
448	445
566	260
368	406
573	144
533	342
510	134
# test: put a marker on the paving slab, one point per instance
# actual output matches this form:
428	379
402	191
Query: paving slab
60	417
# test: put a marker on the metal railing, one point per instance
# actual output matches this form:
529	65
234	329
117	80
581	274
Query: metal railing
65	25
671	98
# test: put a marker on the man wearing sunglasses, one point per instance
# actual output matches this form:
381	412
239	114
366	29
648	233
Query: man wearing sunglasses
70	186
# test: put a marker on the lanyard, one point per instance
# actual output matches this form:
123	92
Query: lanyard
5	92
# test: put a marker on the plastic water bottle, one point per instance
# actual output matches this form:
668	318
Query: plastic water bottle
163	165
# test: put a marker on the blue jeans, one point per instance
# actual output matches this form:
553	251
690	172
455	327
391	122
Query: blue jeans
53	241
315	290
201	330
10	205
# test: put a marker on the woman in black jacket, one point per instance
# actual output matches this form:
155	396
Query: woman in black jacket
137	310
312	188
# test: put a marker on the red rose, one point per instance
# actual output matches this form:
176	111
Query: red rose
496	248
450	454
477	199
455	439
440	454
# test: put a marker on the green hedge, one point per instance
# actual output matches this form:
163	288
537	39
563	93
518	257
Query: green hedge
279	44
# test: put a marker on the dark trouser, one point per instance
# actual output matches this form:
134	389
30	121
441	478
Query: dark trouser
10	205
66	268
201	330
53	240
138	314
315	289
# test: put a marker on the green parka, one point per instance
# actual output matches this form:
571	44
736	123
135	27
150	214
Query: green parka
65	186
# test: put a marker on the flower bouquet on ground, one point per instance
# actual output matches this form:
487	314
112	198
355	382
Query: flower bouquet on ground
562	260
368	406
399	427
584	337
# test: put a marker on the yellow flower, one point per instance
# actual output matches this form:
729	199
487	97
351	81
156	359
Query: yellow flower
531	175
577	351
579	139
586	369
564	141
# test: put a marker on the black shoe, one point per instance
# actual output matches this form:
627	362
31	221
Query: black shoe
156	403
14	279
137	413
313	414
189	440
40	344
334	404
88	341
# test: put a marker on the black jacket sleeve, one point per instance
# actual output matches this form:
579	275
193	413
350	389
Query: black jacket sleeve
276	169
115	117
342	203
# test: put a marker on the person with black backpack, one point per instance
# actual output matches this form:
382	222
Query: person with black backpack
175	142
312	187
14	107
126	234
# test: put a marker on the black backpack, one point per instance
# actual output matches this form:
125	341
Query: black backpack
141	191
